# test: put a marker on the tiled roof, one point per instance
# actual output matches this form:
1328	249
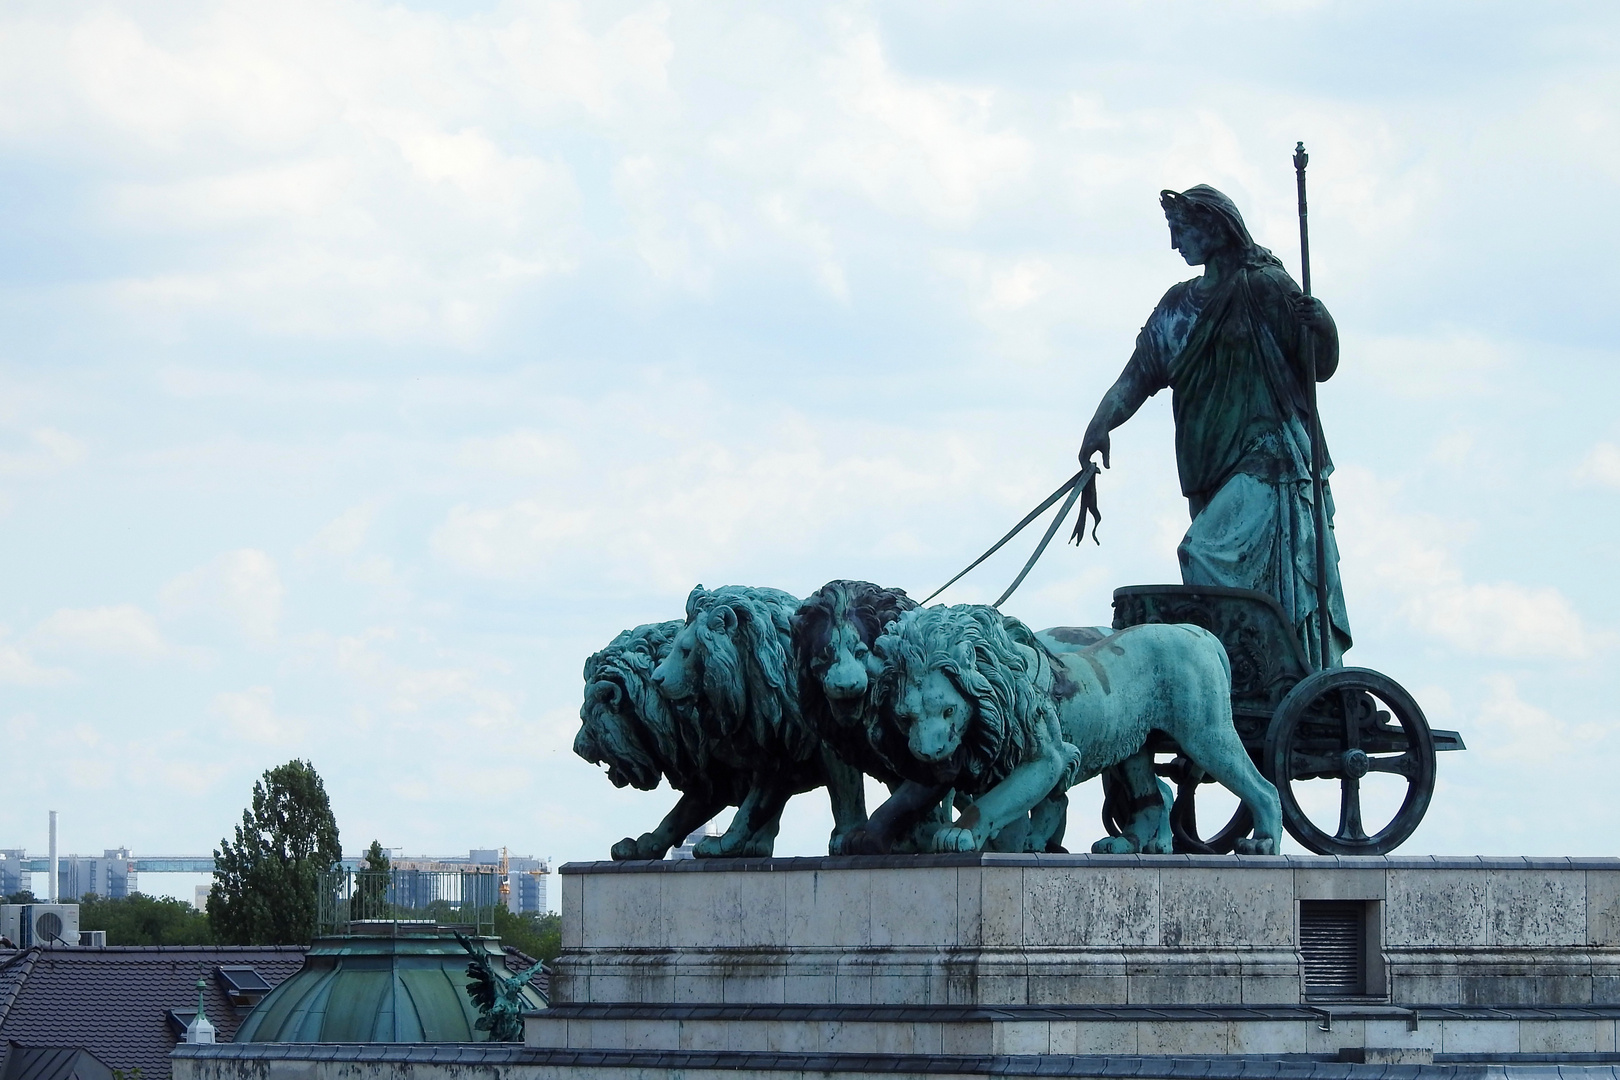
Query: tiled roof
114	1001
50	1063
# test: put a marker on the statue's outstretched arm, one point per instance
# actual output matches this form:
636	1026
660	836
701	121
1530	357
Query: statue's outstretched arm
1130	390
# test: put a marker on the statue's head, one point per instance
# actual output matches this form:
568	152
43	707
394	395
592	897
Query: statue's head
1203	222
732	653
971	691
624	723
833	634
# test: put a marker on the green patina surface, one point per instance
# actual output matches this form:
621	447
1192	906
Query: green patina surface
406	986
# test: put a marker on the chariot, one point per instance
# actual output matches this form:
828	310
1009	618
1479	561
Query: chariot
1300	723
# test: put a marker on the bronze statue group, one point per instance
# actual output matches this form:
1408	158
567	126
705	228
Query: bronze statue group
977	724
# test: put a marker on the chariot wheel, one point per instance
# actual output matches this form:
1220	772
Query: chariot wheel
1339	725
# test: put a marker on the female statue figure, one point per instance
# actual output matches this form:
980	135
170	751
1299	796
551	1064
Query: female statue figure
1234	347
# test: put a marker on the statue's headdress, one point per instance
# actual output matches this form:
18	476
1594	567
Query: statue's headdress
1204	201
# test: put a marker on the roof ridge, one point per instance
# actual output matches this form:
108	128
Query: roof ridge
126	950
26	959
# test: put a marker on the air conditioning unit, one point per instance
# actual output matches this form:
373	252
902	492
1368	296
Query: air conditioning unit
27	925
94	939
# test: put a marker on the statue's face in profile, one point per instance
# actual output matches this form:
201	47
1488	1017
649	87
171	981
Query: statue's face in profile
1195	238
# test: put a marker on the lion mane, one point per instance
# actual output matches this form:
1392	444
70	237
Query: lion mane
748	699
627	725
997	664
871	608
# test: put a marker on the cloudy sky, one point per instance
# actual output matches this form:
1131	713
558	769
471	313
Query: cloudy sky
366	366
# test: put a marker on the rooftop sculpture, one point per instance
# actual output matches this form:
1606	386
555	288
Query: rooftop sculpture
757	697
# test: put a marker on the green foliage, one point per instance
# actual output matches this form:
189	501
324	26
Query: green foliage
266	882
371	886
22	896
537	935
145	920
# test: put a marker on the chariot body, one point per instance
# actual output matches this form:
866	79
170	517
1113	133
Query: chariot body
1301	724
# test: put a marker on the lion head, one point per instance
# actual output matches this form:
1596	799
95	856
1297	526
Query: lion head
731	660
624	722
833	634
971	692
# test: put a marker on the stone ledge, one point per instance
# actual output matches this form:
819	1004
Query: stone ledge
1330	1012
1154	862
1247	1067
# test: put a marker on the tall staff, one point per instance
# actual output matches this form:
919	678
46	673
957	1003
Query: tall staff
1318	502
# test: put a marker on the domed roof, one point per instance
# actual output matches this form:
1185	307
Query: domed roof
395	983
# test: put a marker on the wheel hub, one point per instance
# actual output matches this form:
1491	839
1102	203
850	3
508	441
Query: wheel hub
1355	764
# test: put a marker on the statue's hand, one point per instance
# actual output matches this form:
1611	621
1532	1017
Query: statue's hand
1095	442
1312	313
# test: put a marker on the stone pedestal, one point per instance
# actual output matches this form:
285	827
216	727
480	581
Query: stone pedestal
1087	966
1087	955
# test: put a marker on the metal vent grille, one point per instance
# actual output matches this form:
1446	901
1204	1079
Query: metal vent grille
1332	943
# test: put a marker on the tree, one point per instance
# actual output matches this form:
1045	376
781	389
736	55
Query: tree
22	896
536	935
144	920
371	885
266	883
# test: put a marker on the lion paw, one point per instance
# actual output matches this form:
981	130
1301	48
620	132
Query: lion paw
1259	845
631	847
954	839
728	847
1114	845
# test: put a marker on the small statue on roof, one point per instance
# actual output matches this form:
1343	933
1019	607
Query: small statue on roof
499	996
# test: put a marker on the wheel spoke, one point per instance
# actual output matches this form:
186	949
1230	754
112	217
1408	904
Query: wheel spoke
1406	765
1352	721
1350	810
1306	766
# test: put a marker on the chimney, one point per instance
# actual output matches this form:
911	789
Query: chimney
51	890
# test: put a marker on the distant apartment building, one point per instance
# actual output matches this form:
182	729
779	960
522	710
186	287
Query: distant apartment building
527	878
110	875
15	875
422	881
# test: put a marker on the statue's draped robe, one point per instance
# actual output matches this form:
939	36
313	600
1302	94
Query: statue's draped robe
1234	359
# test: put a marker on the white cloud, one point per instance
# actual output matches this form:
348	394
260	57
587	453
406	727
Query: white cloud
523	452
517	538
345	151
678	505
1443	365
912	144
121	630
1600	467
251	715
344	534
49	451
1409	558
445	699
242	587
1508	728
18	668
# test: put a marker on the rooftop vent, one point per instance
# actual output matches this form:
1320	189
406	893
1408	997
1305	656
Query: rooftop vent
179	1020
243	986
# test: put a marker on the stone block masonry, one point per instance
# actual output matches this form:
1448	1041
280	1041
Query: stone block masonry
982	965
